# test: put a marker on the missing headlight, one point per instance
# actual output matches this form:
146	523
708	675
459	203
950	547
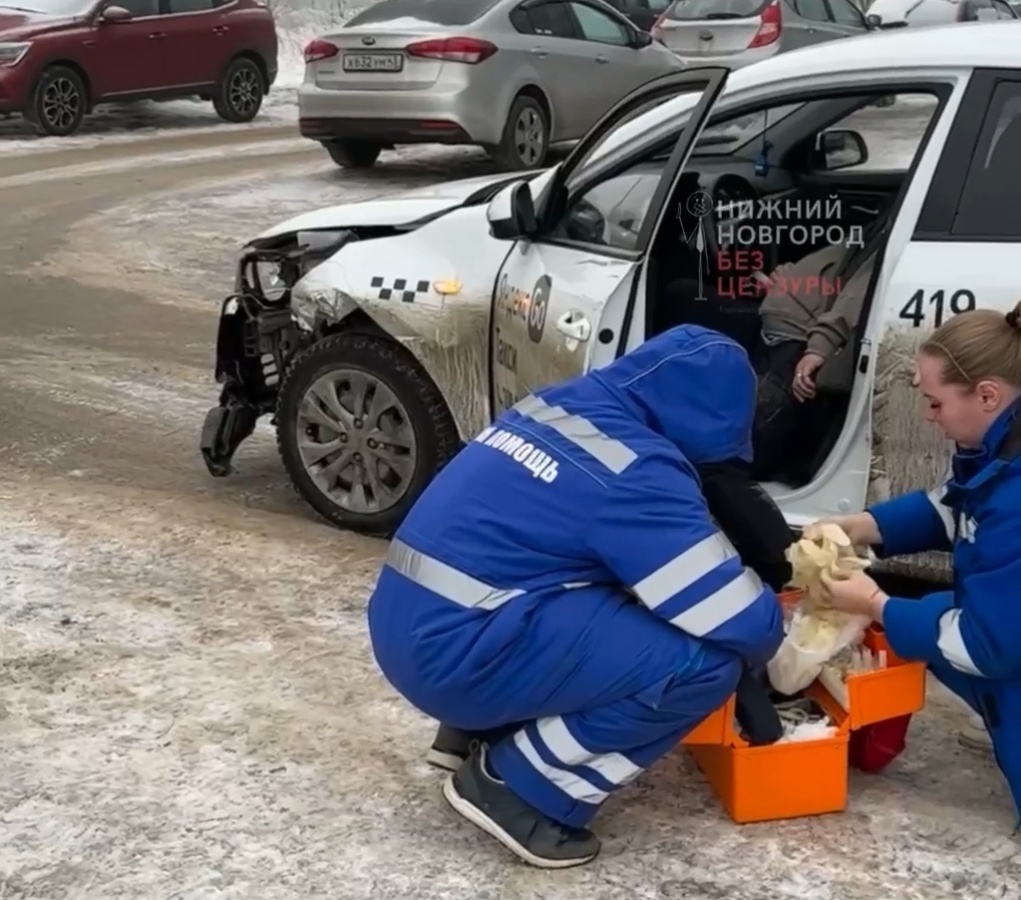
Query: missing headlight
271	280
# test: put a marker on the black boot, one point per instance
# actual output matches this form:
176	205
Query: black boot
451	746
486	802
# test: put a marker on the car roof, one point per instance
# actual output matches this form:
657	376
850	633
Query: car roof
991	45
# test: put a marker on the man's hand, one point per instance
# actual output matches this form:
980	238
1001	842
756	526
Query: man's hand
804	376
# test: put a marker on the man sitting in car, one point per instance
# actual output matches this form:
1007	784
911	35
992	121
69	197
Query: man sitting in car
806	326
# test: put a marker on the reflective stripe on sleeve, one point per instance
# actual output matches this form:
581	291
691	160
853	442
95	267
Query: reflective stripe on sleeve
684	570
721	606
445	580
580	432
614	767
951	644
945	513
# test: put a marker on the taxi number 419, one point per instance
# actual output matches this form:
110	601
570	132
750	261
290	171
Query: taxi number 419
937	307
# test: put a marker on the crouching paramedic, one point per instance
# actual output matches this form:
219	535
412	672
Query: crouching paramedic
561	594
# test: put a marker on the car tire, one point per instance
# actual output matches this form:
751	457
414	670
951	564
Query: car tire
525	140
353	154
240	93
415	407
59	102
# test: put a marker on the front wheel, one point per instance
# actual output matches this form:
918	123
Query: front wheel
59	102
362	430
239	95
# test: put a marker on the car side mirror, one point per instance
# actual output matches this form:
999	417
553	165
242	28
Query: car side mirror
840	149
511	213
640	39
874	21
114	14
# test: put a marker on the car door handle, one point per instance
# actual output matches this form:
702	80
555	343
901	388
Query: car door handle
221	29
574	326
542	54
601	59
157	35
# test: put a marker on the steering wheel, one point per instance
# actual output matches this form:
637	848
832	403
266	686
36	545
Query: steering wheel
733	192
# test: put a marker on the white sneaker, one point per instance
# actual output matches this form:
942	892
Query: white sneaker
974	735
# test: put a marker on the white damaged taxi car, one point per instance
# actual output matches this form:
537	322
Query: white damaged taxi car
381	335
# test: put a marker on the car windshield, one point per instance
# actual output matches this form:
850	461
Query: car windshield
716	9
732	134
436	12
52	7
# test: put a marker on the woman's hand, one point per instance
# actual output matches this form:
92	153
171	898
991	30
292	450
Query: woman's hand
861	528
855	593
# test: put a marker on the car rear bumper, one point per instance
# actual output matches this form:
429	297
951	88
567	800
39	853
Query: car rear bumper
730	60
400	117
385	131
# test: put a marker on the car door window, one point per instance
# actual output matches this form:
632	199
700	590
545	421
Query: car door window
845	13
598	27
815	10
990	200
1003	10
610	213
140	8
188	6
551	20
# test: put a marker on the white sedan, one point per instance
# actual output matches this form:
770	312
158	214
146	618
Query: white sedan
382	335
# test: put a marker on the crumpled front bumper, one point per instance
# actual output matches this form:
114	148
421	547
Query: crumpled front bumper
252	346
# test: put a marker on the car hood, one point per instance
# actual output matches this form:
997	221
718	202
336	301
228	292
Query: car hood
391	209
19	26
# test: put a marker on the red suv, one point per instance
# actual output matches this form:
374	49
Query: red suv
59	58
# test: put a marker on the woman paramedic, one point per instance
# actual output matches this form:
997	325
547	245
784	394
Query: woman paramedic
969	372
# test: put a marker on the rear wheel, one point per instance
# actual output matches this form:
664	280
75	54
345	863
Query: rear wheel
353	154
362	430
59	102
239	96
525	140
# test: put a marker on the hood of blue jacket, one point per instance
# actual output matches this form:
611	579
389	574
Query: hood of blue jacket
694	386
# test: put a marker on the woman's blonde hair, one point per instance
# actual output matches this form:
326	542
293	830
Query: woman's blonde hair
979	344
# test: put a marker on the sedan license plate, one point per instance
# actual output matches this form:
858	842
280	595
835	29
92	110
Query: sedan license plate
373	62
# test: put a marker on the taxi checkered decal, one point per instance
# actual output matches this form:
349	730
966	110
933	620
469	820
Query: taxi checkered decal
401	289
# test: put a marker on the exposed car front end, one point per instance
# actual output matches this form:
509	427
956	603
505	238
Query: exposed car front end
317	288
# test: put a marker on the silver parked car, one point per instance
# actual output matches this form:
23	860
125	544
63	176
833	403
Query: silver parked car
886	14
513	76
735	33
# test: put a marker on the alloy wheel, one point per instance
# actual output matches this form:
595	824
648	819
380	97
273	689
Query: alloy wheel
243	91
529	136
61	104
356	441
